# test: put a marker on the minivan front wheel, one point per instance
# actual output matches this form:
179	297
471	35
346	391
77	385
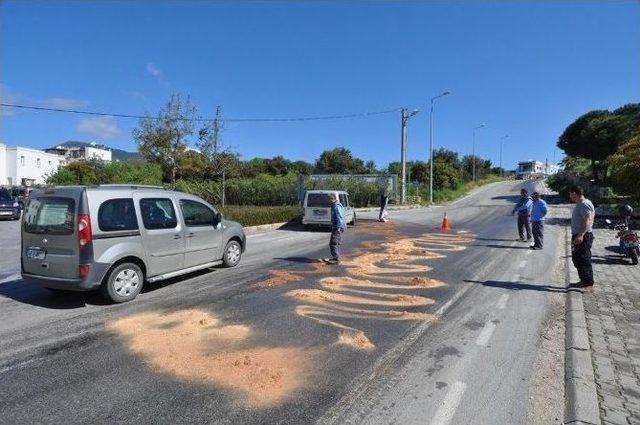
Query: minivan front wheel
232	254
123	283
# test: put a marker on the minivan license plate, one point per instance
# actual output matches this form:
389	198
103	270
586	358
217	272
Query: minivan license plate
35	254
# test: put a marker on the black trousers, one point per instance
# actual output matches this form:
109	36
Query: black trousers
581	256
537	228
524	224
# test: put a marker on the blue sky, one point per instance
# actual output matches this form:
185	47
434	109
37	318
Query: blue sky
526	69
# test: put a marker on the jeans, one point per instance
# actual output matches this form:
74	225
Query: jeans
524	224
581	256
335	241
537	228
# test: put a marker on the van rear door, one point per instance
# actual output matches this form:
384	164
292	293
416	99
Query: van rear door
317	207
50	245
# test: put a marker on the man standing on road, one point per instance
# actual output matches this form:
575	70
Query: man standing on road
538	214
338	226
384	198
523	207
582	236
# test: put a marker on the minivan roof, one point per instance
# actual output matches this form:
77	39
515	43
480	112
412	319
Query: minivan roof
327	191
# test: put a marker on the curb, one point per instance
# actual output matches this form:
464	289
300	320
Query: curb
580	395
263	228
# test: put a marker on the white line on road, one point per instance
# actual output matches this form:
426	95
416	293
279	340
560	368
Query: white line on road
485	335
449	404
502	302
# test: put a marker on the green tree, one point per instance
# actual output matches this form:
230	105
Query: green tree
164	139
339	161
625	164
420	172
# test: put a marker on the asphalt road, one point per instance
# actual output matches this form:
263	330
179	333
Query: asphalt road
412	327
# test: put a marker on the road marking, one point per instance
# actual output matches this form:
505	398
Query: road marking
449	404
485	335
502	302
522	264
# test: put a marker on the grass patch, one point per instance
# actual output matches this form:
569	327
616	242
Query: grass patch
253	215
446	195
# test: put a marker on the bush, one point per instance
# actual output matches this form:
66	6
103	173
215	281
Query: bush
562	181
251	215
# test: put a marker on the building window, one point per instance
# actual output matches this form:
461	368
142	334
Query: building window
22	160
38	162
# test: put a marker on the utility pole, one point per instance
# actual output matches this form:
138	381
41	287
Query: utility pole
473	154
403	159
404	117
501	142
431	145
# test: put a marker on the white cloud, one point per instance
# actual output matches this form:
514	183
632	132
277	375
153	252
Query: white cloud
100	127
61	103
157	74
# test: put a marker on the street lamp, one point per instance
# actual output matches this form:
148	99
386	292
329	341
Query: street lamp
403	150
431	145
473	155
501	142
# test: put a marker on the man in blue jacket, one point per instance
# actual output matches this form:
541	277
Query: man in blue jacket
538	214
523	208
338	226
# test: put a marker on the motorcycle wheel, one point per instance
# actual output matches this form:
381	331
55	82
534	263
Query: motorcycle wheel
633	253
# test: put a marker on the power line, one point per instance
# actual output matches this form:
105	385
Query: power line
118	115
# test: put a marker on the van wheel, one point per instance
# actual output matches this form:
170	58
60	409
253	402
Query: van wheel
232	254
123	283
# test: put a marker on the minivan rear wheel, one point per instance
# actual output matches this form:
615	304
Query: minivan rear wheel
123	283
232	254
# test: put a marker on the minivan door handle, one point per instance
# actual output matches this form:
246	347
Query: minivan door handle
177	236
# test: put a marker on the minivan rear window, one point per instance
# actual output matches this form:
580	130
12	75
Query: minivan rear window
50	215
318	200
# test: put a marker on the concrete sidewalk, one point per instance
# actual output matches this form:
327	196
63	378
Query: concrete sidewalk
613	322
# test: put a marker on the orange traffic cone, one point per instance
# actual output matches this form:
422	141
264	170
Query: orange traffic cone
445	227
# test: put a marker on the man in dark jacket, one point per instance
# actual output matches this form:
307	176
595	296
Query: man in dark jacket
523	208
338	226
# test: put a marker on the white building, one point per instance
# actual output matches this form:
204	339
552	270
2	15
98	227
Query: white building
86	153
533	169
25	166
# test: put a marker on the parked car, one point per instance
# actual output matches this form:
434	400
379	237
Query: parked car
317	208
115	237
9	207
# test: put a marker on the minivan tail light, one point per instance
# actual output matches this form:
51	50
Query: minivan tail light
84	229
83	270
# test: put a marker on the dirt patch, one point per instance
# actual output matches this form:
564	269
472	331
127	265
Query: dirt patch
194	345
355	339
279	277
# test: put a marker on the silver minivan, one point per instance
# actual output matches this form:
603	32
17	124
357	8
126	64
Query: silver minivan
115	237
316	208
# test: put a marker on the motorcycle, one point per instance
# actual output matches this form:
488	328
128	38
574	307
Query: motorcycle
629	240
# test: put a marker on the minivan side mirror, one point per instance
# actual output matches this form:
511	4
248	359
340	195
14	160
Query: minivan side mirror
217	218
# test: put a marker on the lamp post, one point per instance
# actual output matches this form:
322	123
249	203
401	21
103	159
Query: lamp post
403	151
501	142
431	145
473	155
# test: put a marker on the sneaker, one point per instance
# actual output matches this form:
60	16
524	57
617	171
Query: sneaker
520	240
333	261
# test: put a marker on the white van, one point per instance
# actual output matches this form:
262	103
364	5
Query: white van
317	208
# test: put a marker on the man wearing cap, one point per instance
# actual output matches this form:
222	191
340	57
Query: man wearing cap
538	214
523	208
338	226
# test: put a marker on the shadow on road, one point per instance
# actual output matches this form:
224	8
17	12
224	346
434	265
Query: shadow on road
20	291
610	259
303	260
504	246
517	286
495	240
